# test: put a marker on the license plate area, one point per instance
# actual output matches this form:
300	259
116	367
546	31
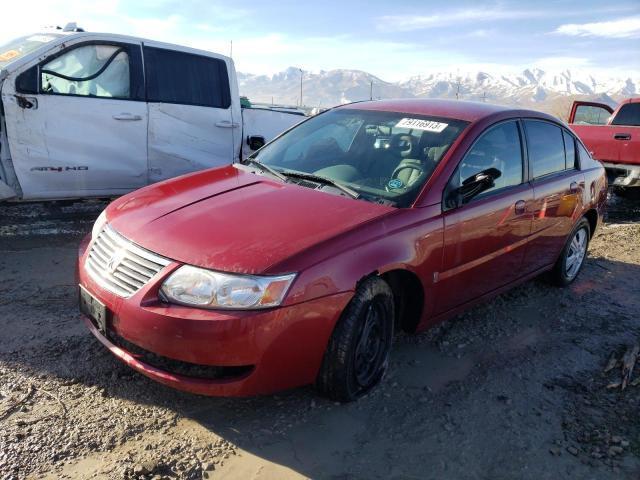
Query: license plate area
94	309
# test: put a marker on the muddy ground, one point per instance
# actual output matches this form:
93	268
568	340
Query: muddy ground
511	389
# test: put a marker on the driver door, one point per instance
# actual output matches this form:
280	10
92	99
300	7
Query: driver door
77	123
485	239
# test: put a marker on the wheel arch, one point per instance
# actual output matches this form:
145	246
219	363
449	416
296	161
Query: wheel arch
408	295
592	217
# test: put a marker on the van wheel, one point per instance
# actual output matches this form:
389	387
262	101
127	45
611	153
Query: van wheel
572	257
358	352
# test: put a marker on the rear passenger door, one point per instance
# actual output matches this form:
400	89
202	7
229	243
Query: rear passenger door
557	190
191	124
485	239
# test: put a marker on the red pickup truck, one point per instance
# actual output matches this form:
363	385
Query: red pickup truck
612	136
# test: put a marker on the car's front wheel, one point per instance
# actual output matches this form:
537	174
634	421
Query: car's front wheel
358	352
572	257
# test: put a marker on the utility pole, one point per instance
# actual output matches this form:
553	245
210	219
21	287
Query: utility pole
231	50
301	75
371	91
484	97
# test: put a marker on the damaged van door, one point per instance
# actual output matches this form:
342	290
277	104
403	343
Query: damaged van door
76	120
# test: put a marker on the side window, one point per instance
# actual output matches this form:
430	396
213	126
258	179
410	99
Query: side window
546	147
585	159
89	70
177	77
629	114
569	150
591	115
499	148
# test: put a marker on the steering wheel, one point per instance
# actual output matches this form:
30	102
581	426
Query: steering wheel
390	186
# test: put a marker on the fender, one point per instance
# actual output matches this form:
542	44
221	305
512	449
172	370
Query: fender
421	239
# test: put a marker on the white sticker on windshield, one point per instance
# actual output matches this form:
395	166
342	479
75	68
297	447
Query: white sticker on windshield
418	124
40	38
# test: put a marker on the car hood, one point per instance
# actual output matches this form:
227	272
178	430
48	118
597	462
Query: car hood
232	220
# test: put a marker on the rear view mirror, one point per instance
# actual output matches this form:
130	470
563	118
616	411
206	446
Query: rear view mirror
27	81
255	142
475	185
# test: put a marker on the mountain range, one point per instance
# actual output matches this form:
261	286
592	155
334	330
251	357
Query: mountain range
545	90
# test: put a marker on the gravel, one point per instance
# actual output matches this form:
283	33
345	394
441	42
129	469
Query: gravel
514	388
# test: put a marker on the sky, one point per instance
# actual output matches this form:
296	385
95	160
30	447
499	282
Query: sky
390	39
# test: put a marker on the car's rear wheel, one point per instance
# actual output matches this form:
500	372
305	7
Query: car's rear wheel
572	257
358	352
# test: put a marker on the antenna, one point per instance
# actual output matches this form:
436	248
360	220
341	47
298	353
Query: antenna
301	75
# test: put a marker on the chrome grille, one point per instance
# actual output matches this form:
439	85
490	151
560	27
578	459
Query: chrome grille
121	266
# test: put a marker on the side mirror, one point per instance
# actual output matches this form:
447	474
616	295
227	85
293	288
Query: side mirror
27	81
475	185
255	142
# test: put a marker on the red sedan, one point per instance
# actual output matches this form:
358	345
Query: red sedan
297	265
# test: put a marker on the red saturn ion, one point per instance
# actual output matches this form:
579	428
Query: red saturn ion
297	265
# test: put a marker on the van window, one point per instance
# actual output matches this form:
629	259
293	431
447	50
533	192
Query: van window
177	77
629	115
89	70
499	148
546	147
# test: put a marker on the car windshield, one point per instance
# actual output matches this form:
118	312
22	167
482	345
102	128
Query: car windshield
21	46
385	157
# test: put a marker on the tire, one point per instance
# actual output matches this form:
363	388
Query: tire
357	355
565	271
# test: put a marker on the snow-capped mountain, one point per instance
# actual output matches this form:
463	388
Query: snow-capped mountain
531	87
325	89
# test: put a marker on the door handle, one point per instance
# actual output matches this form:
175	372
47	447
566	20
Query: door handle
127	117
622	136
227	124
520	207
574	187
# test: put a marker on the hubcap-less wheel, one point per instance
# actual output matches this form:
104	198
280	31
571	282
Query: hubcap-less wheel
358	351
370	351
576	253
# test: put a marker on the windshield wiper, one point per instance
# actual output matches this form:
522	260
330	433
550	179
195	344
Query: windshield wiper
265	168
329	181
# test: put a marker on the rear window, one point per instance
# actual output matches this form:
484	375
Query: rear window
178	77
628	114
546	147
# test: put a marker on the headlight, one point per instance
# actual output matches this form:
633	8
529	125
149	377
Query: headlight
99	224
208	289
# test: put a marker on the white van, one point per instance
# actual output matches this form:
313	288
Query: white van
98	115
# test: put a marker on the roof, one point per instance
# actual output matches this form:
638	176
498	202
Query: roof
458	109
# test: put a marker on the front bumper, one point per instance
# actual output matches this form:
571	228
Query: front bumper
266	350
622	175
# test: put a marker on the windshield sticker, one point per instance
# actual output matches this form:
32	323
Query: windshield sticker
418	124
40	38
395	183
10	55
